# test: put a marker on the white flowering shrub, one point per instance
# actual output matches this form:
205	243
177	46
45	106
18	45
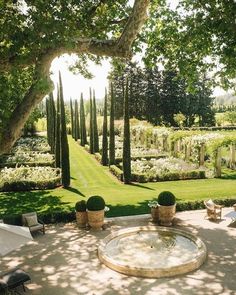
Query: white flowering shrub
25	178
27	157
160	166
26	144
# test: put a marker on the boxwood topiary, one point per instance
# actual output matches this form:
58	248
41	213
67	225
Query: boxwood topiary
95	203
166	198
80	206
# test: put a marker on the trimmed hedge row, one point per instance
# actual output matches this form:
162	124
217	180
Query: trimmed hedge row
98	157
69	216
142	178
29	164
212	128
27	185
116	171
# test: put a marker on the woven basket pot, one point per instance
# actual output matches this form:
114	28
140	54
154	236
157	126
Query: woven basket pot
155	214
166	214
96	219
82	218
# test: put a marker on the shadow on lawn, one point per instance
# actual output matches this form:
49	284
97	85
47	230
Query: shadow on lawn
74	190
19	202
141	186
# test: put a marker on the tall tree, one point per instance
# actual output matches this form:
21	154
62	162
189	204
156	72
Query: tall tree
65	161
77	122
104	133
72	119
91	145
32	39
58	131
112	129
83	132
126	139
95	126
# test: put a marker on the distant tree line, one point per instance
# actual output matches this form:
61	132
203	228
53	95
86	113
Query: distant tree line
158	96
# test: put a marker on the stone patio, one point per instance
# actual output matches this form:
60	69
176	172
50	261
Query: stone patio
64	261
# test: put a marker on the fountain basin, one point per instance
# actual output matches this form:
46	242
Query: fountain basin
152	251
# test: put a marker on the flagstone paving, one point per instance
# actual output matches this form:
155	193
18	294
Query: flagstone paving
64	261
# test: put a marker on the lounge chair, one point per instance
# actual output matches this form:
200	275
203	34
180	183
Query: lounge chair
31	220
214	211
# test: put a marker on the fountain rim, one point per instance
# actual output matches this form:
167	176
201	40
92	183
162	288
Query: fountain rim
150	272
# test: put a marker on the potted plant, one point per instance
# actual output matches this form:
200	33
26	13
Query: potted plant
95	209
167	207
81	213
154	210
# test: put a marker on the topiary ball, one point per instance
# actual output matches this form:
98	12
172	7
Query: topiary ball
80	206
166	198
95	203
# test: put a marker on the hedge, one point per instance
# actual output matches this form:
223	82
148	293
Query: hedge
29	164
69	216
27	185
98	157
116	171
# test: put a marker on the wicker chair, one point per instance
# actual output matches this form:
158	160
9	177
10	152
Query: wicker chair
31	220
214	211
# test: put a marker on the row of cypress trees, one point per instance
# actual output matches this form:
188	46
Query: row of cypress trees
56	132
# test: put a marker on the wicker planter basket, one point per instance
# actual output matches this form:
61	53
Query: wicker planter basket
82	218
96	219
166	214
155	214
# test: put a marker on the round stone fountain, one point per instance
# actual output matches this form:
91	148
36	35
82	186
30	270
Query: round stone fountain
152	251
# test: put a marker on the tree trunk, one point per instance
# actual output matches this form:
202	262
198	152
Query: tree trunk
112	131
104	134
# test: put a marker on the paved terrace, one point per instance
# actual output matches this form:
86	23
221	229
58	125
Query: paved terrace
64	261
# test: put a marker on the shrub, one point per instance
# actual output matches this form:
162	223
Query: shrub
80	206
166	198
117	172
98	157
137	177
95	203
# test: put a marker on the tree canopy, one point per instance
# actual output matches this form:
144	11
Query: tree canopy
194	37
33	33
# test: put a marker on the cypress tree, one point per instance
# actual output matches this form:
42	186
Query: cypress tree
95	126
126	139
83	139
48	121
58	132
72	119
104	133
52	112
65	161
112	131
76	120
91	145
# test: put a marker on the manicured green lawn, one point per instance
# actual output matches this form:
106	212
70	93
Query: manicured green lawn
88	178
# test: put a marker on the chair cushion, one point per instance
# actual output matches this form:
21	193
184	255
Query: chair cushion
31	220
210	204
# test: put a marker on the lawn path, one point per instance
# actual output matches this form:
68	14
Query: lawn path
86	172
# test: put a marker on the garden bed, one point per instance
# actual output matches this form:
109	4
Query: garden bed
29	178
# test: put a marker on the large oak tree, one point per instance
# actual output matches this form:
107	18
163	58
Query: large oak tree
33	33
